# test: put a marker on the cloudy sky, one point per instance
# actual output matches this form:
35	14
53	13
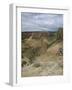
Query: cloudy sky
40	21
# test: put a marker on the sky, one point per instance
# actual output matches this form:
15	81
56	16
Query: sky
40	21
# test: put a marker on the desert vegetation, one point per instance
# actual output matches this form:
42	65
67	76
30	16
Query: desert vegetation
42	53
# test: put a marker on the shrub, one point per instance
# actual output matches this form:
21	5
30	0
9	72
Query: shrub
36	65
60	34
23	63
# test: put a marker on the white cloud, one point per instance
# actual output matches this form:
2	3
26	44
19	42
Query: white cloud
40	21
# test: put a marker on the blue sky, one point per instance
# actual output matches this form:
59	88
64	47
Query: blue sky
40	21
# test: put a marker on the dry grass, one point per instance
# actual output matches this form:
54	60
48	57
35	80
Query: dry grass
47	64
44	61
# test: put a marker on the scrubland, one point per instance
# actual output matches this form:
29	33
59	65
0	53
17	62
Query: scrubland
41	54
